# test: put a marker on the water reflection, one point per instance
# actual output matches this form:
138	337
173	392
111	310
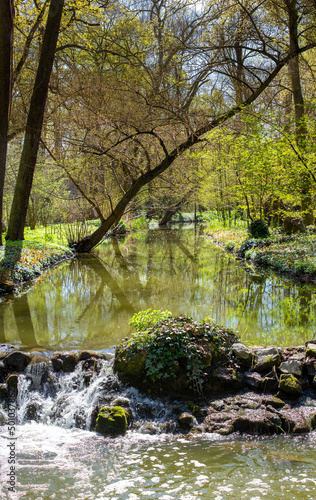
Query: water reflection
88	302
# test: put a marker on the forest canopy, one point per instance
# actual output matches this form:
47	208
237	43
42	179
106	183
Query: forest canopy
116	107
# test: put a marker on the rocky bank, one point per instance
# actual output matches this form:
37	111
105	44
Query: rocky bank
254	390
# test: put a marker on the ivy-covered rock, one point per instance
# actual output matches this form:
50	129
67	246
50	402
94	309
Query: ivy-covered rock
112	421
174	356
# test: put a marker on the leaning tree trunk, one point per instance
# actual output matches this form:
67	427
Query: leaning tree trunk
34	123
299	107
6	50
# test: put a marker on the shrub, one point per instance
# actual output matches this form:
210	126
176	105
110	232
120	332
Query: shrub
259	229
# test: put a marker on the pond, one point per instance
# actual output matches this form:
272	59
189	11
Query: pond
87	303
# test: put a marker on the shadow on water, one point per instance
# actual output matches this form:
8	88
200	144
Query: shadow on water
89	301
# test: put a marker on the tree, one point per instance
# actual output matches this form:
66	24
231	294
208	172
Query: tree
301	131
34	123
6	49
182	73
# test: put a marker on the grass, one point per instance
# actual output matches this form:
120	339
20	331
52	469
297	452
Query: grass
26	260
295	255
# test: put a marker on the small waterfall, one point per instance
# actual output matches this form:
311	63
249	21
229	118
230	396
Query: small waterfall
72	400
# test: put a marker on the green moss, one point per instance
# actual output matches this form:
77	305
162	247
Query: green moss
112	421
290	385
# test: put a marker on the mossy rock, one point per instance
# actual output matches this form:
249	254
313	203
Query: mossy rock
112	421
290	385
311	350
130	367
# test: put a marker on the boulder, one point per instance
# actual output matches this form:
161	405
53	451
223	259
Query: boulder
253	379
186	421
243	353
293	367
290	385
112	421
16	361
12	383
64	361
84	355
267	358
311	350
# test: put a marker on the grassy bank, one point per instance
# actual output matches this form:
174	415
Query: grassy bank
295	255
24	261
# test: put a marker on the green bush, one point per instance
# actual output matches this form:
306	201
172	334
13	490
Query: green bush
259	229
145	320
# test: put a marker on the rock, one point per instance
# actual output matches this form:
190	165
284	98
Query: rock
290	385
298	420
270	384
130	369
267	359
311	350
243	353
259	421
186	421
32	411
38	357
12	383
16	360
253	379
293	225
223	379
273	401
64	361
293	367
3	391
84	355
112	421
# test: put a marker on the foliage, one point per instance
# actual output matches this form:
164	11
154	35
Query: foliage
144	320
259	229
293	254
180	343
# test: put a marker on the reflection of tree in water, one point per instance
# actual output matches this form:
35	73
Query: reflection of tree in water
99	268
23	320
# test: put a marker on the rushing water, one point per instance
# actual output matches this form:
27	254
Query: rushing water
57	460
89	301
87	304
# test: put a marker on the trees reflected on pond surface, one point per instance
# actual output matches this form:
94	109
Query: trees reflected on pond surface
89	301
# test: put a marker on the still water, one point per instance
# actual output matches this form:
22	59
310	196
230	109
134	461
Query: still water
88	302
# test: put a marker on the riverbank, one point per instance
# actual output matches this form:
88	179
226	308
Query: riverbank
293	255
25	261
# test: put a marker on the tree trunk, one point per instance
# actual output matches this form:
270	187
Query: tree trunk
6	49
34	123
299	107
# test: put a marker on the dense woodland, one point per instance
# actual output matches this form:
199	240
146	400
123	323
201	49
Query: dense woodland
111	108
